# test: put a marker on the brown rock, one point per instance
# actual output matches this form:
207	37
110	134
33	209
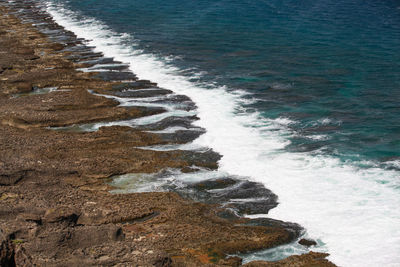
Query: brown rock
188	170
56	46
12	178
163	260
307	242
30	217
61	214
231	261
305	260
24	51
22	259
7	251
24	87
88	236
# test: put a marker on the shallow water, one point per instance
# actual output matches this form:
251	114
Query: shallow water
301	97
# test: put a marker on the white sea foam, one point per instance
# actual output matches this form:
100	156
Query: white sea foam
144	102
393	164
281	86
102	68
174	129
159	117
171	147
157	182
277	253
284	121
318	137
138	121
349	209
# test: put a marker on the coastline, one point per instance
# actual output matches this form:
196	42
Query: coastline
55	202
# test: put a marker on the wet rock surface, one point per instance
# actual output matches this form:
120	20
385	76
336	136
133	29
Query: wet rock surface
241	196
55	207
310	259
181	136
172	121
307	242
148	92
115	76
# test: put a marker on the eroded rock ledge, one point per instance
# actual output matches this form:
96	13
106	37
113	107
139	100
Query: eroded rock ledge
56	210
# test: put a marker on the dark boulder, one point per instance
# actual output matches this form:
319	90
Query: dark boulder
307	242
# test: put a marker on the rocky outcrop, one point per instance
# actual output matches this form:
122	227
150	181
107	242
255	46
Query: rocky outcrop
309	259
307	242
12	253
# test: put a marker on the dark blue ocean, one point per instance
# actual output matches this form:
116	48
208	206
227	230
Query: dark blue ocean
303	96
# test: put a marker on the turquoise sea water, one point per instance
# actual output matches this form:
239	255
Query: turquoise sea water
331	67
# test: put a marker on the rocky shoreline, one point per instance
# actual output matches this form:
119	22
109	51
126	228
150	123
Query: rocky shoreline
56	207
